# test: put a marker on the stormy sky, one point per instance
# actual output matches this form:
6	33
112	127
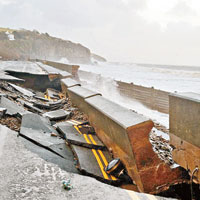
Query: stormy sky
144	31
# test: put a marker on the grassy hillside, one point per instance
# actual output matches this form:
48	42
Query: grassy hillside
25	44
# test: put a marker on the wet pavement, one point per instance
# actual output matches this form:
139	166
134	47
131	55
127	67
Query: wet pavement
51	136
27	176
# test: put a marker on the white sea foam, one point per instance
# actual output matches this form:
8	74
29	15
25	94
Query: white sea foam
167	78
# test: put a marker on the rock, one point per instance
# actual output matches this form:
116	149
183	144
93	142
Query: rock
57	114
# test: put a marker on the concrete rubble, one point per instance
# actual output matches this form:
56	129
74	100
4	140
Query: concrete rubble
58	114
56	143
27	176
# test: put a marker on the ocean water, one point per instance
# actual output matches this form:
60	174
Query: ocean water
166	78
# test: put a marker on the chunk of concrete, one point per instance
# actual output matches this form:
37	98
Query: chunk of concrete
41	98
32	108
12	108
66	162
36	122
88	164
22	90
57	114
5	77
25	169
74	137
39	130
52	94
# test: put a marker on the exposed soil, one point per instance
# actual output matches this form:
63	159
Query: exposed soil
13	123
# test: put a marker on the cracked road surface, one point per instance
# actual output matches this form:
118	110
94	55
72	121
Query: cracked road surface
24	175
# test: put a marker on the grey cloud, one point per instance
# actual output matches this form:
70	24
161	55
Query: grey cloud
182	9
110	28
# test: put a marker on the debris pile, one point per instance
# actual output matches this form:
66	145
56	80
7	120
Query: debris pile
161	147
51	126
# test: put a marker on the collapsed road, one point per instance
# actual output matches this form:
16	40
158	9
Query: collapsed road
80	140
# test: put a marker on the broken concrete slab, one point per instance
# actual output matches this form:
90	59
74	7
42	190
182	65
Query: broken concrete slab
57	114
53	70
42	105
37	122
22	90
65	123
74	137
87	161
66	162
37	82
62	149
40	137
52	94
32	108
39	130
12	108
22	66
50	105
30	177
5	86
41	98
87	129
61	101
88	164
5	77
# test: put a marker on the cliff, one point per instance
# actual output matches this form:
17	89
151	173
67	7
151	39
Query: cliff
25	44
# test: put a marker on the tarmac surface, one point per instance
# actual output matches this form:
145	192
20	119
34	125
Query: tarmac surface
24	175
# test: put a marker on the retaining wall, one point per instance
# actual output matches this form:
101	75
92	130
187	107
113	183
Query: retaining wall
150	97
72	69
184	120
126	135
